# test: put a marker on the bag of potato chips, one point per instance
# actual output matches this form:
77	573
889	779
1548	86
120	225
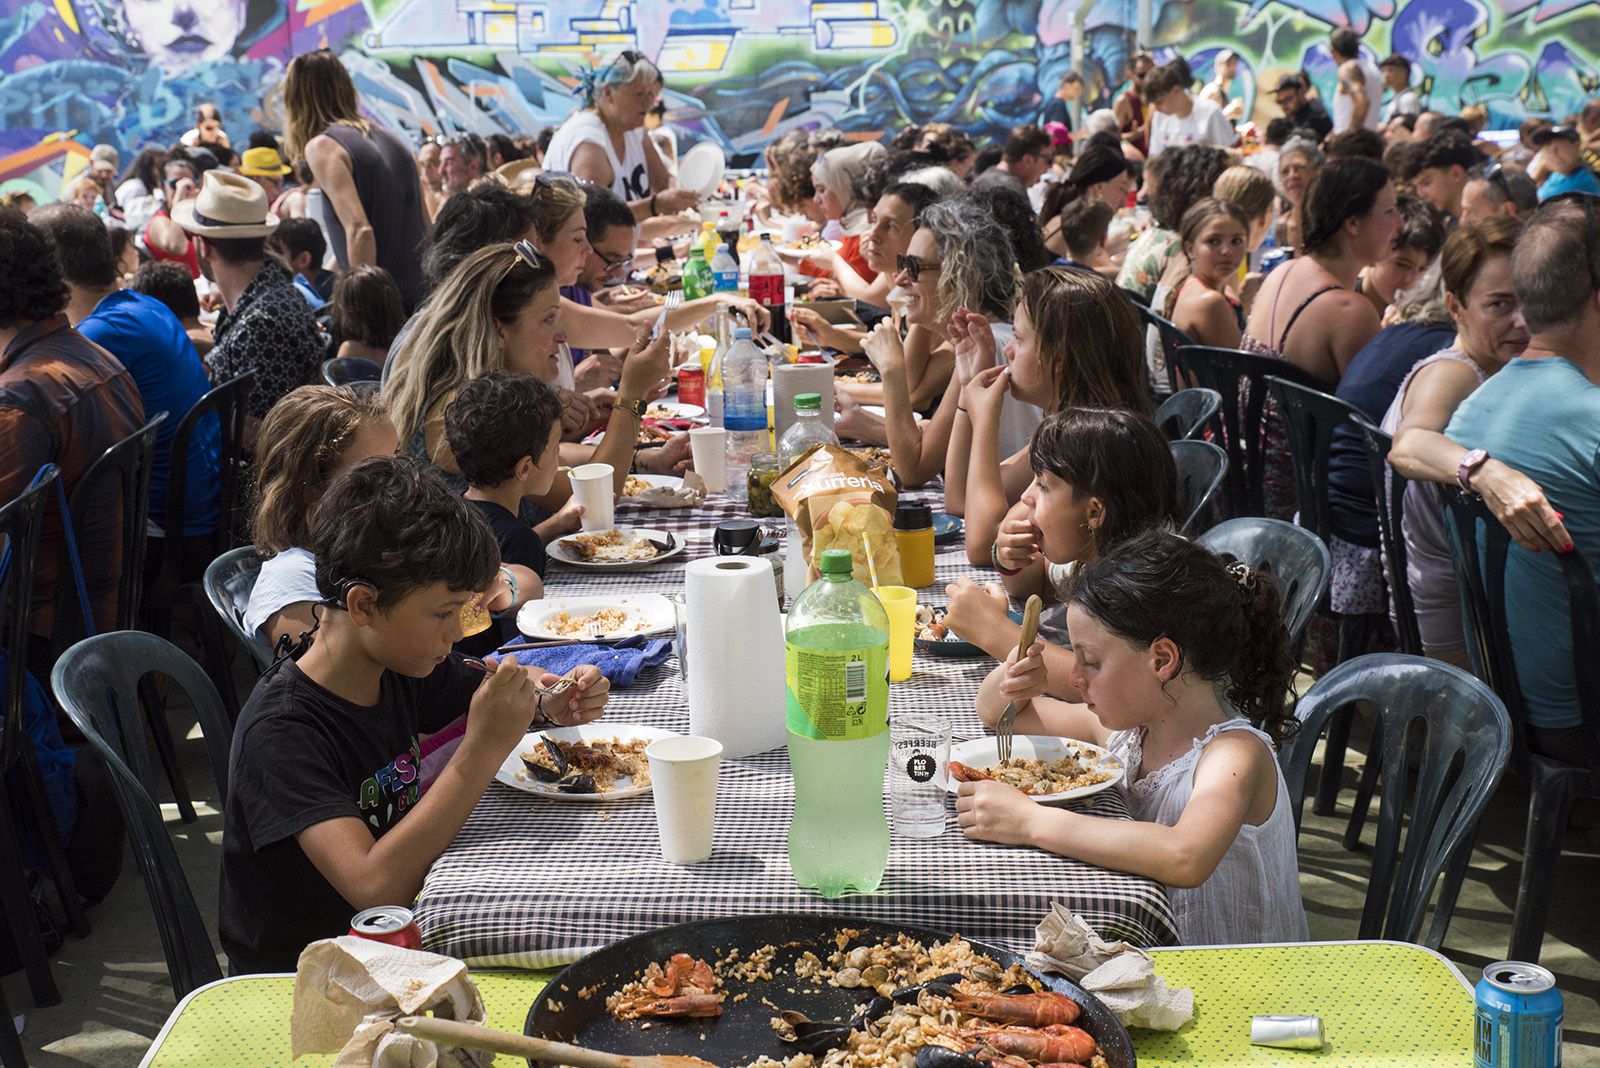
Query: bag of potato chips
840	501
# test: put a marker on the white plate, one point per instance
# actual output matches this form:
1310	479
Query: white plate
558	551
678	410
513	774
878	410
648	613
701	168
982	753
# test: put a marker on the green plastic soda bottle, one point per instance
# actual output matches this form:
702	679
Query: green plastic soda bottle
697	279
837	668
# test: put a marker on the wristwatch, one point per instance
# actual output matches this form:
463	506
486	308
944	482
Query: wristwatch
1470	462
636	407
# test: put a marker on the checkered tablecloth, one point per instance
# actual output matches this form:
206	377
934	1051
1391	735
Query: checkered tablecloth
532	882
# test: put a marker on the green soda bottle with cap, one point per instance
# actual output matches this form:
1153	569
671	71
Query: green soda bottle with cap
837	670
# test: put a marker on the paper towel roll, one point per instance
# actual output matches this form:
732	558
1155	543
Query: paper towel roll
789	380
736	673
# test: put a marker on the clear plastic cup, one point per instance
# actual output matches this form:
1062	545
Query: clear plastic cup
683	778
901	604
593	489
708	445
919	761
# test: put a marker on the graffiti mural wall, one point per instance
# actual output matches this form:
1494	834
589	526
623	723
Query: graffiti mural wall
740	72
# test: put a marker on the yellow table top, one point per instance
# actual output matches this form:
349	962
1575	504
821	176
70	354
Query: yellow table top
1381	1003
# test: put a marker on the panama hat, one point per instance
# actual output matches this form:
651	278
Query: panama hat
263	161
229	205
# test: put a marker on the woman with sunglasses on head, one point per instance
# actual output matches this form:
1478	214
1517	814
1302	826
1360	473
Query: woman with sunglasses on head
841	179
367	175
605	142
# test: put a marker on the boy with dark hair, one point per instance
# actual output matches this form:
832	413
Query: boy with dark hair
1439	171
1416	243
324	814
1084	225
301	244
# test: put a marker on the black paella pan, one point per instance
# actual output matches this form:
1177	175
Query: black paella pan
743	1032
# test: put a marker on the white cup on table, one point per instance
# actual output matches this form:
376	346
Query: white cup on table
683	782
708	445
592	487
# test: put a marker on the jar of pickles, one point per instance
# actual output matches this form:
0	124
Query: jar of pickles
764	472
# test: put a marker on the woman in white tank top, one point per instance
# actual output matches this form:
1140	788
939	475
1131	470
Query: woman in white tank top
1174	647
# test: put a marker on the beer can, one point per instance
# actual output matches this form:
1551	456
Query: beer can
1518	1020
692	385
389	924
1287	1032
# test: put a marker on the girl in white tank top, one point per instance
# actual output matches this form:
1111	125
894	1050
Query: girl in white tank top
1174	647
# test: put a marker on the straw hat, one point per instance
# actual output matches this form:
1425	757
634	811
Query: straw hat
229	205
263	161
105	154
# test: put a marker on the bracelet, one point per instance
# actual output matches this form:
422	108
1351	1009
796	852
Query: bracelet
962	410
653	211
994	558
516	589
634	407
539	718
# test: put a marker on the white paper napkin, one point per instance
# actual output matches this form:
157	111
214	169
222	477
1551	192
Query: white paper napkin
1120	975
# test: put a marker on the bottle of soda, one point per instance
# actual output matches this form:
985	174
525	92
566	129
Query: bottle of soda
725	271
707	241
766	285
697	280
837	670
744	407
728	234
808	431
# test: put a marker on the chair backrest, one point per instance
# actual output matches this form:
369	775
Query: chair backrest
344	370
229	580
1172	339
1185	414
1389	493
1293	555
1479	547
227	403
20	518
1459	751
1240	379
96	682
1310	417
1201	469
129	462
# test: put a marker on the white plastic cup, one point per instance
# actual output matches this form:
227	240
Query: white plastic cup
683	778
591	485
709	447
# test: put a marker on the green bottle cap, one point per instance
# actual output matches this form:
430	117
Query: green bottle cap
803	401
837	562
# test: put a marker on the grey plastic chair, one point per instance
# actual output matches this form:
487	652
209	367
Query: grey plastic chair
97	683
1186	414
1458	733
1293	555
1201	468
1172	338
350	370
228	582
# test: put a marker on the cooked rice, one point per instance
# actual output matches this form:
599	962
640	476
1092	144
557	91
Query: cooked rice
606	760
1039	777
609	546
604	621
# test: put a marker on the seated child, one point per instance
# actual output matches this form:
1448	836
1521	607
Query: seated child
324	817
1185	667
1085	226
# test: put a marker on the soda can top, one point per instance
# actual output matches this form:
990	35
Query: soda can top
381	920
1519	977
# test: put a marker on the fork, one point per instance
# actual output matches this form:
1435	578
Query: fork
674	298
562	685
1008	717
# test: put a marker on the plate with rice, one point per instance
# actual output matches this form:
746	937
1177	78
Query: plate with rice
1052	771
622	615
614	550
611	756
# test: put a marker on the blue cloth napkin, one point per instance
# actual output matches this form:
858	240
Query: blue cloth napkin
619	664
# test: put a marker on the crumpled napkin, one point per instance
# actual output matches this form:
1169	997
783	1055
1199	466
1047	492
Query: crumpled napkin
688	495
1120	975
620	664
348	991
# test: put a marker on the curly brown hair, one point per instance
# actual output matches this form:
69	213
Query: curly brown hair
34	289
789	161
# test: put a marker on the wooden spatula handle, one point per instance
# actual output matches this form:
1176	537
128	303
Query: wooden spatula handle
1030	624
477	1036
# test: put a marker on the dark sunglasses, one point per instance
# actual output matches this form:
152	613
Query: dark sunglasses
913	267
526	253
1494	172
1591	227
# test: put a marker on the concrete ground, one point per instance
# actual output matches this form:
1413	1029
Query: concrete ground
116	994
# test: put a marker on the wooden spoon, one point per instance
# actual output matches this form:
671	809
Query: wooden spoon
477	1036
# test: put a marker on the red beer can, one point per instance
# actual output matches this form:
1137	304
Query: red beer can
389	924
692	385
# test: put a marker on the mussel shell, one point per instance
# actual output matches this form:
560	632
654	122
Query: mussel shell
939	984
939	1057
578	784
1020	988
554	766
873	1010
819	1036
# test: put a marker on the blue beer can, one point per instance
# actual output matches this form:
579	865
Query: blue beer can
1272	257
1518	1018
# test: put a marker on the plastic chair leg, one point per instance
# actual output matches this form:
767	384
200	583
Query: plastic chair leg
11	1055
155	710
18	909
1333	762
1355	634
1362	802
1550	802
1449	890
55	851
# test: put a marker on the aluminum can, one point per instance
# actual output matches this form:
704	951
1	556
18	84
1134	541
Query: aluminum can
1287	1032
1272	258
1518	1023
389	924
692	386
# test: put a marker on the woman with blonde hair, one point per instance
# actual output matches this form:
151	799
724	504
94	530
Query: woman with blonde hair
367	175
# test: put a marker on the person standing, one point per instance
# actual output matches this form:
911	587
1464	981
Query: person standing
1396	71
1131	108
1356	100
1180	118
1217	89
366	174
1297	104
1059	109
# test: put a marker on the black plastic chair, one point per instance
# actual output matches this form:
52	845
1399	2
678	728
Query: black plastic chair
11	1055
1186	414
1388	493
1201	468
1171	338
20	520
1240	379
349	370
129	462
1479	547
1293	555
97	682
228	583
1459	735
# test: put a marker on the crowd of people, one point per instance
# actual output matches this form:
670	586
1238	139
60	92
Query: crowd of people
1440	281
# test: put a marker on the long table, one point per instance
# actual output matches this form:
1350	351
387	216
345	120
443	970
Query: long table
533	882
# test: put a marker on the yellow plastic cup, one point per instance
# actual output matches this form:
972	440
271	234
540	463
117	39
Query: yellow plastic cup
900	602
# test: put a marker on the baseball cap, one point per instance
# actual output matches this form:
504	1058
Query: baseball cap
1550	133
1290	81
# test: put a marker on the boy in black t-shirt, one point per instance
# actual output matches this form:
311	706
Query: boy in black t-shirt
324	817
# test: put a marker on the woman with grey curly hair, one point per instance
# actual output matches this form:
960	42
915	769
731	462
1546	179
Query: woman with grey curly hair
1298	162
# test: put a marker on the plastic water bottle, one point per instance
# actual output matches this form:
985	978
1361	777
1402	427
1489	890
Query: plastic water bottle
697	281
725	271
837	670
744	408
714	394
767	286
809	431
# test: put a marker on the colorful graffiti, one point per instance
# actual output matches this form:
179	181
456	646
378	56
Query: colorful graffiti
739	72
